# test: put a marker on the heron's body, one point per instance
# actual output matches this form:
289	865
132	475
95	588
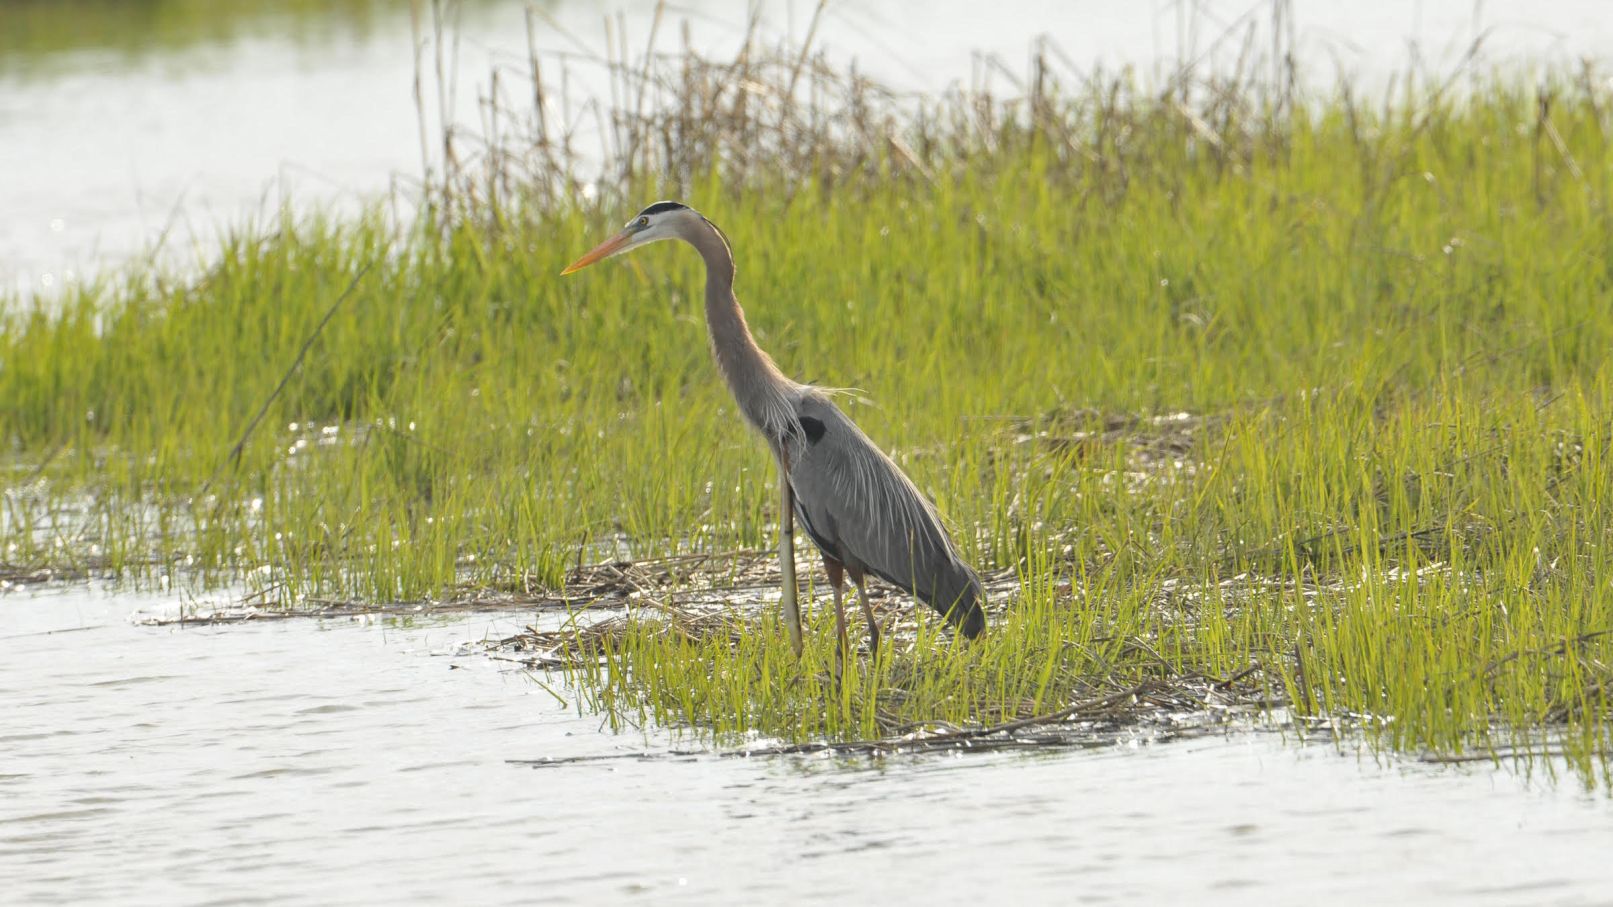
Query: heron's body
862	511
855	504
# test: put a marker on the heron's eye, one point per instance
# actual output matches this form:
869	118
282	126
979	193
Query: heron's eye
643	222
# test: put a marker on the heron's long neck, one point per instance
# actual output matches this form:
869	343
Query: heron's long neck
758	386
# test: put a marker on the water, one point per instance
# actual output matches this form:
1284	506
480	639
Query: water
352	762
124	125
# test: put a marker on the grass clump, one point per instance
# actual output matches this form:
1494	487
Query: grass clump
1219	382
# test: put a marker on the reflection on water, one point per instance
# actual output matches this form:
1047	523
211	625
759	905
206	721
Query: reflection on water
352	762
37	37
126	121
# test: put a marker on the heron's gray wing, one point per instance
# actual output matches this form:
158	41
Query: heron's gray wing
860	508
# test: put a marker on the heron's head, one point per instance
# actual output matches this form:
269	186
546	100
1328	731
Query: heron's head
659	221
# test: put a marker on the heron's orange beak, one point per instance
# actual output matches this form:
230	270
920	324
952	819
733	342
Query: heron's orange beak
602	251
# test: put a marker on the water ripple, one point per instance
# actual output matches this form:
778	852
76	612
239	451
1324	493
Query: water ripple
343	763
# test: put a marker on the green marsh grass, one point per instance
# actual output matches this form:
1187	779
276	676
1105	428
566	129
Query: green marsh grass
1304	388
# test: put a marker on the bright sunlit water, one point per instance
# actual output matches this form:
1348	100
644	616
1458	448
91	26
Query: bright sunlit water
345	763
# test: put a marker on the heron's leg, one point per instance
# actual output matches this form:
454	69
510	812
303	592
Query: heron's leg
786	556
868	614
837	582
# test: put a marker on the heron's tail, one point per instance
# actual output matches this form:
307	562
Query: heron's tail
958	597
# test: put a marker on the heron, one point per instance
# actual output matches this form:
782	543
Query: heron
863	513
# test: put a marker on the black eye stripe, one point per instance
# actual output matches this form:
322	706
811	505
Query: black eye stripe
660	207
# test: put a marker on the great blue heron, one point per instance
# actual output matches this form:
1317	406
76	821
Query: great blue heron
863	513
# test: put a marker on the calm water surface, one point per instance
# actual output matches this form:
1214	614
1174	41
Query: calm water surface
341	762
